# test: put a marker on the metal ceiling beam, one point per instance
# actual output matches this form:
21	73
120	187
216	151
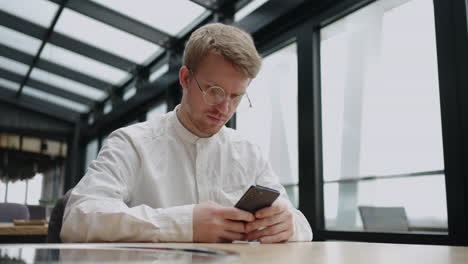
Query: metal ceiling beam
44	41
14	77
37	105
208	4
267	14
118	20
65	42
54	68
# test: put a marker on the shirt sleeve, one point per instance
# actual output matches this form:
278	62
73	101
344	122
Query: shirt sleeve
267	177
97	209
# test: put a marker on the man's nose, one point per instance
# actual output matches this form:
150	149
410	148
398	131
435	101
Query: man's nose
223	107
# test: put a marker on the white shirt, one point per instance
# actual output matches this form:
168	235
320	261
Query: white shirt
147	178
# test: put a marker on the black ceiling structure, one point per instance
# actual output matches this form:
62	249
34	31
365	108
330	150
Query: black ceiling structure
95	11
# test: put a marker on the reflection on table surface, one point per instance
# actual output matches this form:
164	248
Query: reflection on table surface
303	252
112	253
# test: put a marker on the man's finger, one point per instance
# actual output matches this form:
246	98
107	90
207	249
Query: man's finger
276	208
264	222
268	231
277	238
235	226
233	213
231	236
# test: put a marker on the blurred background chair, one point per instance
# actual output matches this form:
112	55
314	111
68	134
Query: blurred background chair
12	211
37	212
56	218
384	218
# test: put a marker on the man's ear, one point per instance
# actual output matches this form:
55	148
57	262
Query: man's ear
184	76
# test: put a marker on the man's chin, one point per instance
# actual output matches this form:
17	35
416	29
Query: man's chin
213	130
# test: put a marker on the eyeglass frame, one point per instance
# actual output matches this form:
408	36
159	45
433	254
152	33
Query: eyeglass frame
204	92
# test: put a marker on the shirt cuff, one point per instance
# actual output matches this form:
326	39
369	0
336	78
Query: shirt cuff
176	224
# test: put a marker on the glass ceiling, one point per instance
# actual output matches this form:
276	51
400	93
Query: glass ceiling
83	64
168	16
105	37
9	85
13	66
29	10
88	56
19	41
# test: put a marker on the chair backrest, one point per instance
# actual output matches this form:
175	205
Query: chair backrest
384	218
37	212
56	218
12	211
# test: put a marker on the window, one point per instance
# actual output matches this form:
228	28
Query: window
248	9
29	10
157	110
105	37
274	116
129	93
2	192
173	18
91	152
35	189
83	64
67	84
16	192
13	66
55	99
381	121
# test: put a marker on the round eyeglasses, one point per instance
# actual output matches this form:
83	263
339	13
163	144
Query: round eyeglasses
215	95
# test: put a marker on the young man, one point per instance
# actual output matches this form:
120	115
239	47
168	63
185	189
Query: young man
176	177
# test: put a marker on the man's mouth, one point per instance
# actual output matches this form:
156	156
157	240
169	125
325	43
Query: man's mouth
216	119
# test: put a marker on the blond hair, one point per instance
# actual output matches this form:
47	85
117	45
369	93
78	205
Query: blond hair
234	44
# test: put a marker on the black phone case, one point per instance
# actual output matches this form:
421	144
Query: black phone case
257	197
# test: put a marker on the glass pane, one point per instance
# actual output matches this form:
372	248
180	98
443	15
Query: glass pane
107	107
129	93
13	66
35	189
380	107
28	10
67	84
9	85
17	192
157	110
105	37
91	152
2	191
249	8
293	193
168	16
159	72
421	215
275	112
84	64
55	99
19	41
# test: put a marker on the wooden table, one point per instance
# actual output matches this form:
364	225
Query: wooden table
310	252
9	229
9	233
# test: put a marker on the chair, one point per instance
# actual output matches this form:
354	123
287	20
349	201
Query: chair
37	212
56	218
384	218
12	211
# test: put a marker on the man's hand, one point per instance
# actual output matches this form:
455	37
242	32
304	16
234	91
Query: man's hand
214	223
276	221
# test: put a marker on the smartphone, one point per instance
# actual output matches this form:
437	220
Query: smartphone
256	198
